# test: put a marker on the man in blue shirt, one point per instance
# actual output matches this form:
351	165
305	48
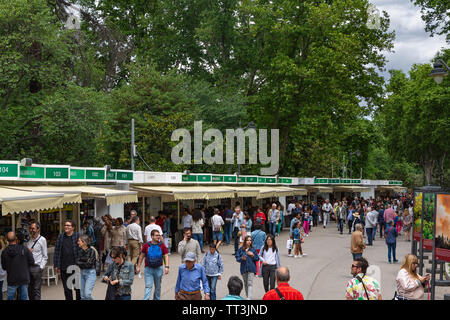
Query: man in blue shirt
188	282
236	222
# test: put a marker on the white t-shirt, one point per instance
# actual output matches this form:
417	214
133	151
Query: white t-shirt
270	256
149	229
327	207
290	207
217	220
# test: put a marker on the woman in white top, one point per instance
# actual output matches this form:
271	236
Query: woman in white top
410	285
270	258
197	227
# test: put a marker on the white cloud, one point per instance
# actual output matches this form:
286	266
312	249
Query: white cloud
412	44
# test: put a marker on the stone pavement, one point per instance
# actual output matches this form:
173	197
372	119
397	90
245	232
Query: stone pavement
321	275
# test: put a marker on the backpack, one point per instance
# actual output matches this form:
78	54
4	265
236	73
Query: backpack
154	255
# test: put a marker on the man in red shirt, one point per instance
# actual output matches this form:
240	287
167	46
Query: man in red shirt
389	214
259	215
285	291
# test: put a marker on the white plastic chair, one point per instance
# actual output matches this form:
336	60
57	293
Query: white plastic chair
50	274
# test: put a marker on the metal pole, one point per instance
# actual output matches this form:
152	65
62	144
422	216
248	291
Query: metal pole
132	144
433	256
143	210
421	236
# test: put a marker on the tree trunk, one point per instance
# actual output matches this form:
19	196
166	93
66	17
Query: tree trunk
441	169
428	168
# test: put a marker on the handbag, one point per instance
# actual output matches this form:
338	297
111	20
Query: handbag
397	297
289	243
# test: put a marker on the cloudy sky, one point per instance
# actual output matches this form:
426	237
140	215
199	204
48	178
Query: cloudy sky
412	44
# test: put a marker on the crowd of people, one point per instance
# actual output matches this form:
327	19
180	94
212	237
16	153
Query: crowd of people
115	250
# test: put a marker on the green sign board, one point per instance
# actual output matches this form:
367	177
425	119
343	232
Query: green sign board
95	174
32	172
230	179
251	179
217	178
271	180
241	179
8	170
395	182
284	180
189	178
335	180
322	180
124	176
56	173
111	175
204	178
261	180
356	181
77	174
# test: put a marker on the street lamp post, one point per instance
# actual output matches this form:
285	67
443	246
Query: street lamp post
438	73
250	125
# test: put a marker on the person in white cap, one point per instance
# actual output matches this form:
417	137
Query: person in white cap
190	274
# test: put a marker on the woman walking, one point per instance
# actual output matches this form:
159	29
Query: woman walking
407	223
298	239
280	208
391	240
213	264
410	285
270	257
197	225
306	222
87	258
120	274
247	257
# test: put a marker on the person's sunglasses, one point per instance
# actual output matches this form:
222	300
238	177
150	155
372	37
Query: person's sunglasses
353	266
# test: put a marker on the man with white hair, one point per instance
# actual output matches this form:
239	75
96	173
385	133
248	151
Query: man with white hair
326	208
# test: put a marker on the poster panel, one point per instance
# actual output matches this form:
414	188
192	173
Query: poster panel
428	220
417	231
442	243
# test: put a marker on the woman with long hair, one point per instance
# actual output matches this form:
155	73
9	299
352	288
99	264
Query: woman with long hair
87	259
270	257
120	274
410	285
247	257
197	225
407	223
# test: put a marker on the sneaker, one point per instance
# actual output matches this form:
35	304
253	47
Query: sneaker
290	255
304	254
395	261
295	257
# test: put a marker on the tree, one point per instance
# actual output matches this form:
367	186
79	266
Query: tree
416	119
436	15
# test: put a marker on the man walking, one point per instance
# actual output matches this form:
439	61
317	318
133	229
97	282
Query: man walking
66	255
326	208
371	223
362	287
38	247
237	221
16	261
274	217
283	291
340	215
227	229
155	254
188	244
190	275
216	224
357	245
389	214
134	234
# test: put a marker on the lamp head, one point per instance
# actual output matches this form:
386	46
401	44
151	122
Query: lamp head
438	73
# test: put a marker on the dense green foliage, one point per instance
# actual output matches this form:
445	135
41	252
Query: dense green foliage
308	68
436	14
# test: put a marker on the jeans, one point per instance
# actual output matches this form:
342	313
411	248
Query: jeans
68	292
268	273
248	284
356	255
272	228
314	216
87	282
236	239
341	225
350	223
153	276
382	226
369	232
34	288
212	282
227	232
11	292
375	232
326	216
125	297
391	247
1	290
199	238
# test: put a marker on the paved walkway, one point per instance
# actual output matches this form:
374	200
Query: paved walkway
321	275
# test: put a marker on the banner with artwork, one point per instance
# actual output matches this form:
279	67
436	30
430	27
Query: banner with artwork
428	220
417	230
443	227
